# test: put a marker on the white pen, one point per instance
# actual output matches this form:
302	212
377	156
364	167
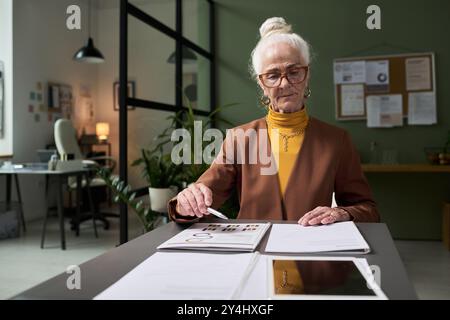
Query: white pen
217	213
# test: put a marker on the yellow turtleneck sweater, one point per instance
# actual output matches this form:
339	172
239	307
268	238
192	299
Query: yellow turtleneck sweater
288	279
287	124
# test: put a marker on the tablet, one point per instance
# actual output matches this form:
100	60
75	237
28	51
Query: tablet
325	278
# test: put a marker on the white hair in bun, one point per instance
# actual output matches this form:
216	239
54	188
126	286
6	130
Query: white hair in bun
275	30
274	25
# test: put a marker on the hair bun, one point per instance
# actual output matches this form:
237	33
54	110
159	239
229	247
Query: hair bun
274	25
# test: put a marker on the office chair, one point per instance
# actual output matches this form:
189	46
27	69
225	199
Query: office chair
66	143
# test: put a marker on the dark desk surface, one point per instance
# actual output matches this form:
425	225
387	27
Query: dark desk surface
101	272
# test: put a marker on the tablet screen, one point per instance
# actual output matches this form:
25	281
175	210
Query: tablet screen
318	277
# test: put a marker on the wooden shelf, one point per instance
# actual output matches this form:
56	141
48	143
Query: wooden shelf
413	167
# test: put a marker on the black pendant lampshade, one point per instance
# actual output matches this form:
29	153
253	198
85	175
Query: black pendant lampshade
186	55
89	53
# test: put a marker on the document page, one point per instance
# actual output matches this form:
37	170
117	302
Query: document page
295	238
184	276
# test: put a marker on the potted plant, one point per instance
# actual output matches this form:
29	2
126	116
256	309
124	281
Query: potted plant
162	175
123	193
185	119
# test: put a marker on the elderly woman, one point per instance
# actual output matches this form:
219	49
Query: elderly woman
314	159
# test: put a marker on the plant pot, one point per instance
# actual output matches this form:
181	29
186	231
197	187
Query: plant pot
160	196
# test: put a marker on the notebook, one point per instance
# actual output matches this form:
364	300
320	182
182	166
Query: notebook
341	237
218	236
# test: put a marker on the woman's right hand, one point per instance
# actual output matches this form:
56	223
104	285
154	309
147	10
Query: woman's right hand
194	200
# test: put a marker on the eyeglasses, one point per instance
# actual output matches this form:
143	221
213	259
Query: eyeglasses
294	75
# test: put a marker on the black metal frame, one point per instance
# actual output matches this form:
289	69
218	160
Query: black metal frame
124	101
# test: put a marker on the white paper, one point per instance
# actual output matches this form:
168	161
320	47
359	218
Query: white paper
255	286
183	276
295	238
349	72
418	74
377	76
384	111
422	108
218	236
352	100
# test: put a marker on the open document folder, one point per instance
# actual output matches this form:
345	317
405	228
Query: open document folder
218	236
337	237
249	276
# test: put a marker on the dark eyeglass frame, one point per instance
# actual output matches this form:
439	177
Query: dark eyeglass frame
284	75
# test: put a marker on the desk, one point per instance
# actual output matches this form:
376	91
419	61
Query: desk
61	177
101	272
88	147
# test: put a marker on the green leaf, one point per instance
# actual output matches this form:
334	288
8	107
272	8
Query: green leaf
115	181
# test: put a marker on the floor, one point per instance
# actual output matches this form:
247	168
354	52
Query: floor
428	266
25	265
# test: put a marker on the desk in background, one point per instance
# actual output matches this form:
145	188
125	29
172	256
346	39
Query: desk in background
101	272
61	178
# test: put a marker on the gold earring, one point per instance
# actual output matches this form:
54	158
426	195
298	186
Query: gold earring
308	92
265	100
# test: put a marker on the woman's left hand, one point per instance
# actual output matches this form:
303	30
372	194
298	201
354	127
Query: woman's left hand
324	215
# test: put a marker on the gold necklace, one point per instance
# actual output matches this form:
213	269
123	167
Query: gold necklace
286	137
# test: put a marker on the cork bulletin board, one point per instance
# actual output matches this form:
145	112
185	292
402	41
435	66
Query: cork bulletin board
402	75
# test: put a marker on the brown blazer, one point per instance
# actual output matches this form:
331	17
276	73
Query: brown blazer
328	162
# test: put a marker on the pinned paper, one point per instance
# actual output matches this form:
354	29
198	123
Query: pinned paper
421	108
384	111
418	74
37	117
32	95
349	72
352	99
377	76
30	108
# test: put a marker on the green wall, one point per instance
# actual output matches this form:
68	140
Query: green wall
409	203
